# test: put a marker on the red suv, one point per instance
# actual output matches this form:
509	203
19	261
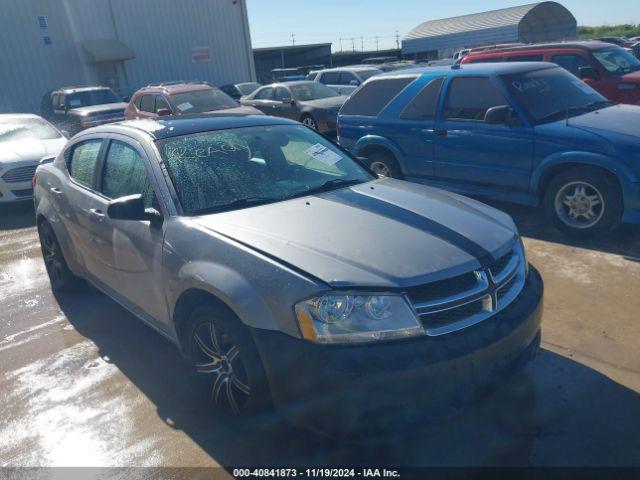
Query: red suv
178	98
611	70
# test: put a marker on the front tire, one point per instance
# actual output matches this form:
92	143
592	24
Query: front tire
310	122
60	277
222	351
582	202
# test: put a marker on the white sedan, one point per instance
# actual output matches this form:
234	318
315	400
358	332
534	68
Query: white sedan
24	140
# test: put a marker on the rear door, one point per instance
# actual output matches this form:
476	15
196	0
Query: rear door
283	106
331	79
476	155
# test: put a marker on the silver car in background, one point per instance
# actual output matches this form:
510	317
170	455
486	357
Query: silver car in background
25	140
285	271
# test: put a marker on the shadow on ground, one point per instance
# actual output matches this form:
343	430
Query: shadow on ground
557	412
17	215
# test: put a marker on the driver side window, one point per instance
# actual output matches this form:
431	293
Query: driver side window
281	94
124	173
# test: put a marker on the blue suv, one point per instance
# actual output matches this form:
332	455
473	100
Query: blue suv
528	133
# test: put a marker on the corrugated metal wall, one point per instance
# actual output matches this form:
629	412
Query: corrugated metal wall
162	34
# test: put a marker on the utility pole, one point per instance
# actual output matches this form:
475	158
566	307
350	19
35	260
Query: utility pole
293	39
377	43
340	39
353	44
397	40
362	44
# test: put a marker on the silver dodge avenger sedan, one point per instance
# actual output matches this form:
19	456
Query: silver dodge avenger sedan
286	272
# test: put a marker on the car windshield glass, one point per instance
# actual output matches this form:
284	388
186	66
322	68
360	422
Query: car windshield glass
311	91
26	129
247	88
229	169
91	97
199	101
617	60
366	74
551	94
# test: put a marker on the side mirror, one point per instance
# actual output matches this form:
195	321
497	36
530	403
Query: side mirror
47	159
588	72
131	207
163	112
354	83
500	115
65	133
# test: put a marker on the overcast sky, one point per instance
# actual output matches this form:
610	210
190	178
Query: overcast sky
316	21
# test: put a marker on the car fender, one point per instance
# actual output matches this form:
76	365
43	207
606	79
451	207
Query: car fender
378	141
615	166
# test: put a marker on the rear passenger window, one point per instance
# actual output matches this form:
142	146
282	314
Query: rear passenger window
147	103
374	96
124	173
469	98
264	94
424	104
570	62
82	164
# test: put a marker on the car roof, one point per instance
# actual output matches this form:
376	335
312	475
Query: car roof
171	88
470	68
586	45
168	127
80	89
288	84
19	116
352	68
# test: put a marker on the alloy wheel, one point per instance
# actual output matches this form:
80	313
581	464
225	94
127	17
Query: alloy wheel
217	356
309	122
51	255
579	205
380	168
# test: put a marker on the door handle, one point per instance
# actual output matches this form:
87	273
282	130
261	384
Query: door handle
440	132
96	214
55	191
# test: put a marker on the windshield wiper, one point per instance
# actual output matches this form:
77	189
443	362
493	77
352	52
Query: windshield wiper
589	107
236	204
327	186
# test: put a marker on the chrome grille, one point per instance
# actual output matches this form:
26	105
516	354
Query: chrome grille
462	301
21	174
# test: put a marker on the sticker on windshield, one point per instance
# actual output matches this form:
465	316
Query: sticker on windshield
582	86
184	106
323	154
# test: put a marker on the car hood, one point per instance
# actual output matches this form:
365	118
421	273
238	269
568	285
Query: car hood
386	234
329	102
103	108
621	119
30	150
239	110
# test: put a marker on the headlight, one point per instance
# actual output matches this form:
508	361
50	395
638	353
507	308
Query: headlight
346	318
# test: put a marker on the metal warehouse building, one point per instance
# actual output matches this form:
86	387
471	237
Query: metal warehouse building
535	22
123	44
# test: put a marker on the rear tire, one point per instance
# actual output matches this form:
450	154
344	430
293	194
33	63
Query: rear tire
310	122
383	163
61	278
222	351
583	203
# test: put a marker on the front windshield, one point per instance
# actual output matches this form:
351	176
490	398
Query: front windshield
92	97
617	60
200	101
13	129
311	91
551	94
216	171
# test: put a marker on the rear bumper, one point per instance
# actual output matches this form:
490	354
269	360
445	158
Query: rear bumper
337	388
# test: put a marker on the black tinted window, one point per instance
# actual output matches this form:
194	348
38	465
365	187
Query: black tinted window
282	93
330	78
82	164
374	96
469	98
147	103
265	94
124	173
570	62
161	103
347	77
424	104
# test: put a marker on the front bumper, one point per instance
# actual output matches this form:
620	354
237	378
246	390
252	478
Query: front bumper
16	188
341	388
